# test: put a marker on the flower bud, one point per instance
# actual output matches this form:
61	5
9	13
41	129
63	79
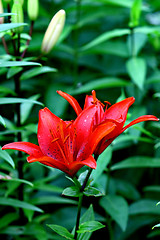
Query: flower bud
33	8
7	1
53	31
18	18
1	11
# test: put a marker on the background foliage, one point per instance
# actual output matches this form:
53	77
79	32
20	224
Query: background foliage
101	48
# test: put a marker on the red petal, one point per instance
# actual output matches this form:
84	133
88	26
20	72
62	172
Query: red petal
119	110
72	101
47	131
27	147
82	126
75	166
49	162
99	133
140	119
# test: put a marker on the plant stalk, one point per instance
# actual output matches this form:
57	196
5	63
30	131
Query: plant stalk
81	199
28	41
76	42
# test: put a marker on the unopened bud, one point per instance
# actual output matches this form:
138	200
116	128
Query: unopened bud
53	32
1	11
18	18
33	8
7	1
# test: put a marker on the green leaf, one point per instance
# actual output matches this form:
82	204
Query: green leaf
27	107
137	162
7	14
52	200
36	71
6	90
90	226
136	68
104	37
4	155
108	82
73	191
13	71
7	219
135	13
8	26
18	100
17	63
117	208
152	188
87	216
2	122
92	191
17	180
155	226
144	206
102	162
17	203
61	231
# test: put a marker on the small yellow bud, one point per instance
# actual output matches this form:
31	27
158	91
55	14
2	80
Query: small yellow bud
1	11
18	18
33	8
53	31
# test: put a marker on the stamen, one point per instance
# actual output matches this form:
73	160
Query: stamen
94	96
66	139
54	140
69	124
106	102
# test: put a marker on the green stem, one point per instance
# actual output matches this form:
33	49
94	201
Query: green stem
5	45
81	199
19	135
28	41
76	42
132	43
78	215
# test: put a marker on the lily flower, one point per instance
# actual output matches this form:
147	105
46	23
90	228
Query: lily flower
65	145
117	114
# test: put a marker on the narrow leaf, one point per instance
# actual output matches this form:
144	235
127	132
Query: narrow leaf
137	162
137	71
92	191
4	155
7	219
17	63
117	208
61	231
9	26
27	107
90	226
36	71
71	191
102	163
18	100
17	203
144	206
104	37
2	122
108	82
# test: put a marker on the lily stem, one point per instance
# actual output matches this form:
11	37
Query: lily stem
132	43
76	42
78	215
81	199
19	135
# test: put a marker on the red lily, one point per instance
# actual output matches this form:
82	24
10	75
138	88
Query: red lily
117	114
66	145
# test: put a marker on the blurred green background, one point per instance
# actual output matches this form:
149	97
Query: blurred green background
113	47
